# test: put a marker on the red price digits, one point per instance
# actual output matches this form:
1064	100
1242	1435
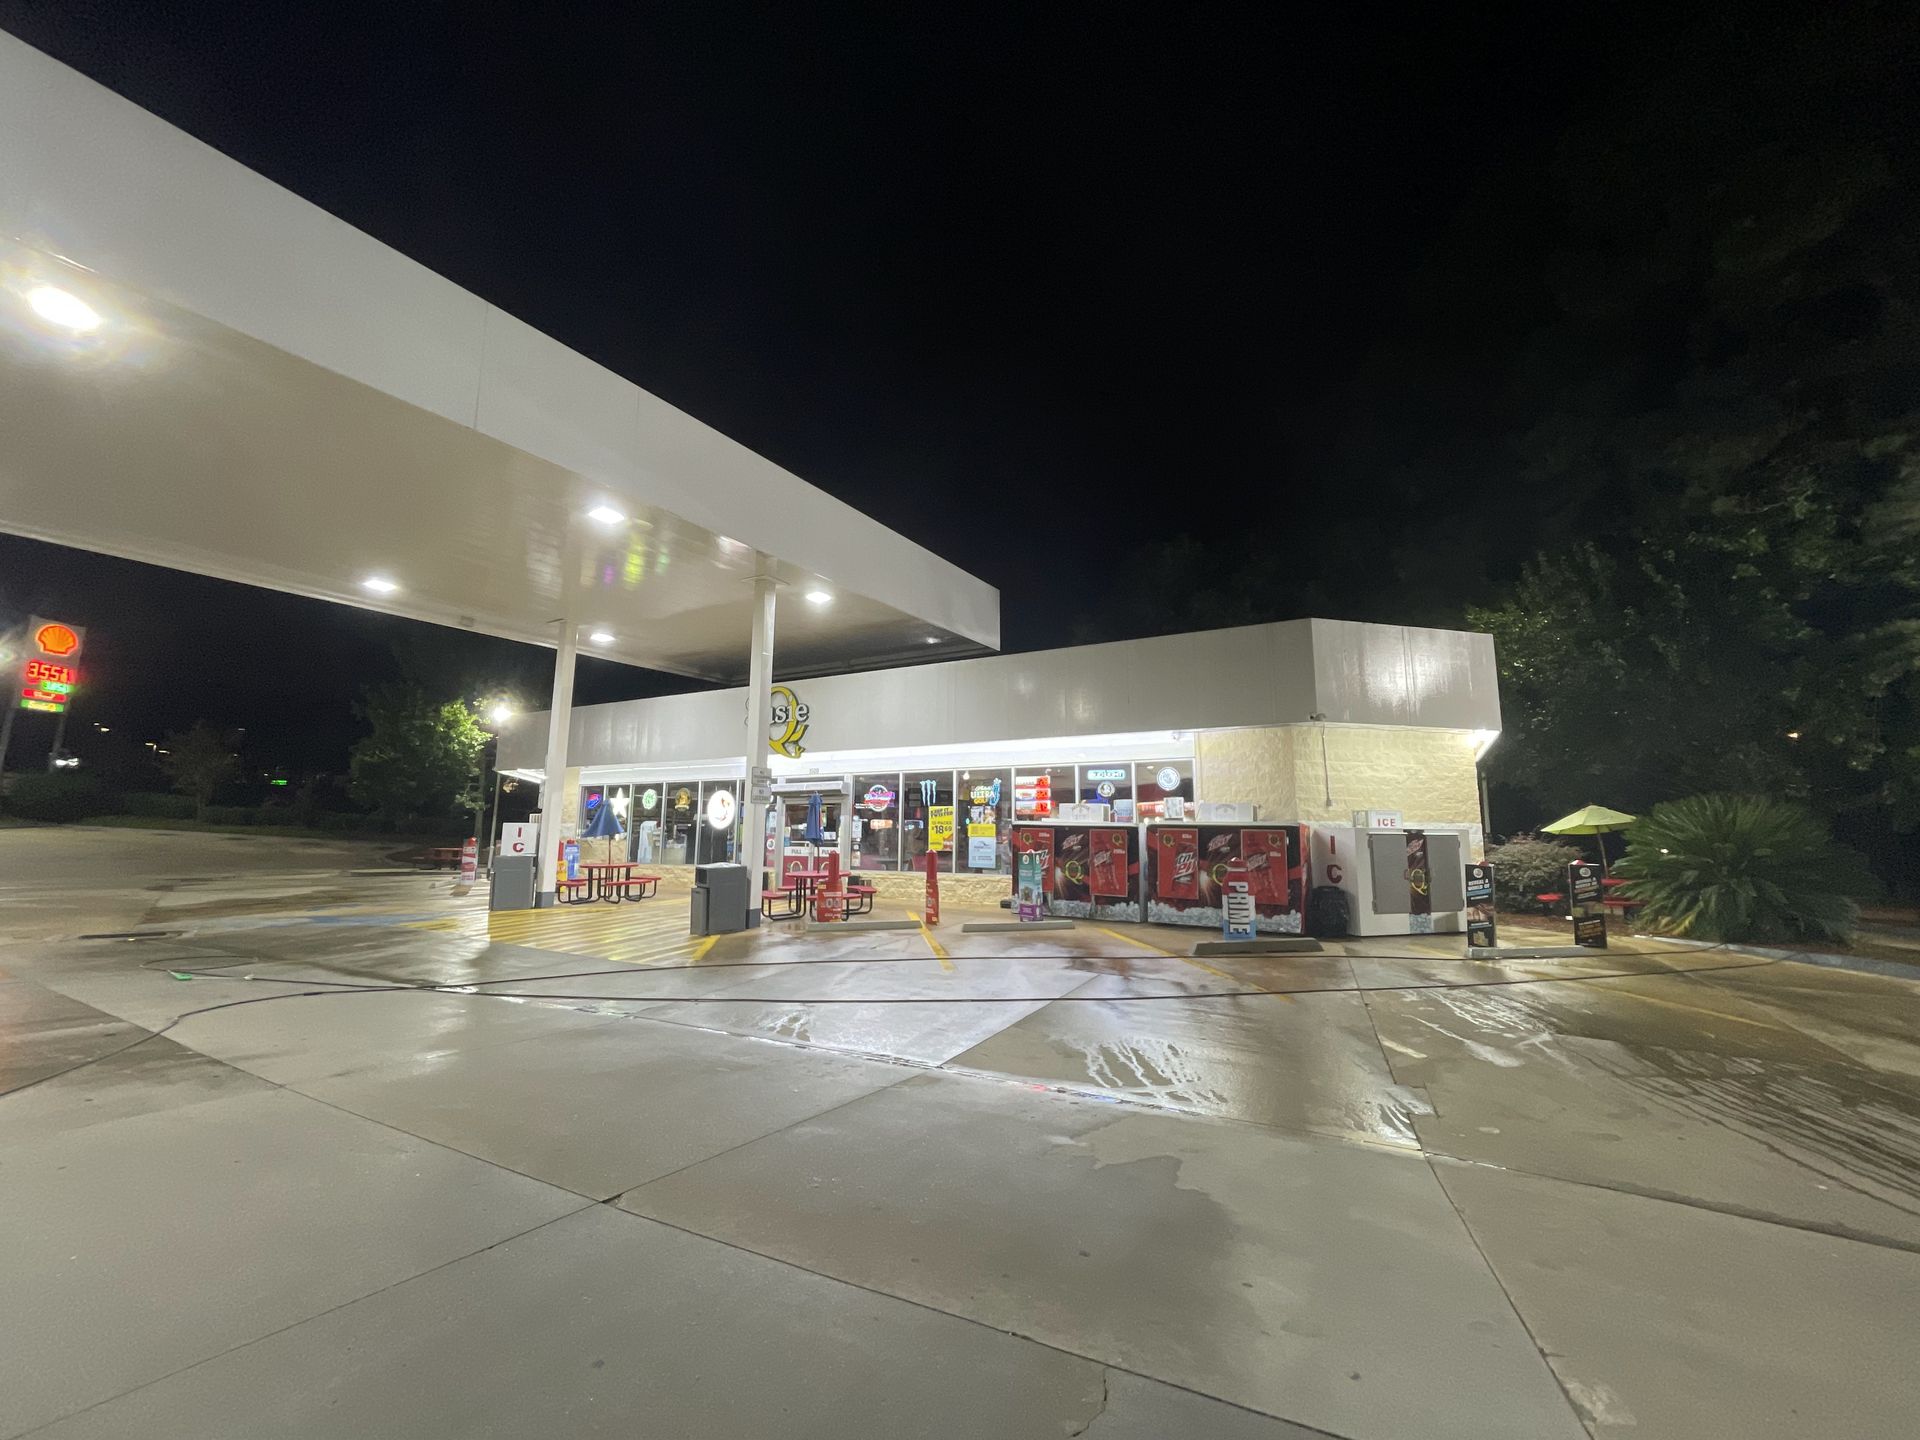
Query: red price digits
40	672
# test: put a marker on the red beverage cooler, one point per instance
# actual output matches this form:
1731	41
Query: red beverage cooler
1092	869
1184	868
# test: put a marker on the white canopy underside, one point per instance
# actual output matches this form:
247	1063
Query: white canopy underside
274	398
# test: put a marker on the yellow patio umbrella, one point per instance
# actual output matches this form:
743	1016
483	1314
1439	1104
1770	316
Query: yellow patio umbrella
1594	820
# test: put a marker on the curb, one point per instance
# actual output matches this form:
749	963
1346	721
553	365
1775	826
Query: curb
1826	959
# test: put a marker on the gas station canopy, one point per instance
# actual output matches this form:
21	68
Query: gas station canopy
200	370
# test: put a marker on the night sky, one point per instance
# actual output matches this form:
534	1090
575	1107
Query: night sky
1040	292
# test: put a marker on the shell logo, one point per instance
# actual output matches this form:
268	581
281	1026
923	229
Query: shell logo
56	640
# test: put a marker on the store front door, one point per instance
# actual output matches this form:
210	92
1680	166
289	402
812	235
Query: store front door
792	810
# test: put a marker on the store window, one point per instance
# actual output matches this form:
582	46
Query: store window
643	822
983	829
679	821
1155	781
876	822
1109	784
719	800
1039	792
924	796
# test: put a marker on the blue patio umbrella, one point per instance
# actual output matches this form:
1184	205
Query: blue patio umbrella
603	825
815	832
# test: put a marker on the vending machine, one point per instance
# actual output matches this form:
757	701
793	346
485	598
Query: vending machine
1400	877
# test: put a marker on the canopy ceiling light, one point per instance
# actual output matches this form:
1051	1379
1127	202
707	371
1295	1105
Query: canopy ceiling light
63	308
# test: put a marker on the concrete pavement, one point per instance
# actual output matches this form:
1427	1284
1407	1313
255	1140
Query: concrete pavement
611	1180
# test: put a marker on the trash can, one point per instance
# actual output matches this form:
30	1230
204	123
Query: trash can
727	898
513	882
697	912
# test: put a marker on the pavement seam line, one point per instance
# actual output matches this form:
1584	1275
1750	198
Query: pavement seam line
296	1324
1493	1274
1104	1365
1466	1229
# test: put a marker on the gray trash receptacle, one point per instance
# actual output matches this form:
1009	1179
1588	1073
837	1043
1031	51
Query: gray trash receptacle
513	882
697	912
728	896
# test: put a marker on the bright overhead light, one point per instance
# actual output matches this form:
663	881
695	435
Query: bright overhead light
605	515
62	308
379	585
501	713
933	639
601	637
819	597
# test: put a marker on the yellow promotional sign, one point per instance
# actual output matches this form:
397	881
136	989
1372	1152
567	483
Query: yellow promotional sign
940	827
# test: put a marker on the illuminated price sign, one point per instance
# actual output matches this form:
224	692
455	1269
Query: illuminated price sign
49	675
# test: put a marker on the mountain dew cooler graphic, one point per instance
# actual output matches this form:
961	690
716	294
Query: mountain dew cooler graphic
1236	903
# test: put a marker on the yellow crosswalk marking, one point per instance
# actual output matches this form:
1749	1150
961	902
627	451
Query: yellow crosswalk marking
626	935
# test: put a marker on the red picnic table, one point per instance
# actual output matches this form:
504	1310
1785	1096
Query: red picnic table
601	883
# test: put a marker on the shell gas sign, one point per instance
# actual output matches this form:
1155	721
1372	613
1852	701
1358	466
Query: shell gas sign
48	673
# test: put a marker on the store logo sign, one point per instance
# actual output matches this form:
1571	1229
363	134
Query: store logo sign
1109	773
787	724
878	798
1167	778
720	809
56	639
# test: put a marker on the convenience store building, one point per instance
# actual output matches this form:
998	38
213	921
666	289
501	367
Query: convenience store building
1305	720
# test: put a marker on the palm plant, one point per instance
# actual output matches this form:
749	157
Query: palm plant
1741	868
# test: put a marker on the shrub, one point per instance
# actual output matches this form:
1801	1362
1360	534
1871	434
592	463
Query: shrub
1739	868
160	805
1526	866
57	797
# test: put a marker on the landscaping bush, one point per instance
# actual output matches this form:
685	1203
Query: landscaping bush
1737	868
160	805
1526	866
58	797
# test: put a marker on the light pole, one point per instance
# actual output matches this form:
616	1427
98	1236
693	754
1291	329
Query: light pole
501	715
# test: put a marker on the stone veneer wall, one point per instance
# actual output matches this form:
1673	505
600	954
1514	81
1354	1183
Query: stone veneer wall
1424	774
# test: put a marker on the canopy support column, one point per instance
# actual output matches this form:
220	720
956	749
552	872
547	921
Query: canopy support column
552	803
753	813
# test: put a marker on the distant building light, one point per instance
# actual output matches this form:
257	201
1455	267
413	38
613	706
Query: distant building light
1793	734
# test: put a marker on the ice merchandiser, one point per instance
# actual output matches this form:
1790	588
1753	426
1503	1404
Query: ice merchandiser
1400	877
1092	869
1185	868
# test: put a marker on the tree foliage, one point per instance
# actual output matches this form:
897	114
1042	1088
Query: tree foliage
198	762
421	759
1741	868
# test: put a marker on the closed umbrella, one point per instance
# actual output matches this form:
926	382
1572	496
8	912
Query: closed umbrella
1594	820
815	832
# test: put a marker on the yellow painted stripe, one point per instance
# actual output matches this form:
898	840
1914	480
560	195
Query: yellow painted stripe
1131	941
939	950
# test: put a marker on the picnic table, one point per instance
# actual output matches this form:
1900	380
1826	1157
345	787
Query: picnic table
797	888
611	881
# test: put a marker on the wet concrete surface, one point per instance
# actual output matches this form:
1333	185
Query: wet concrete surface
919	1183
